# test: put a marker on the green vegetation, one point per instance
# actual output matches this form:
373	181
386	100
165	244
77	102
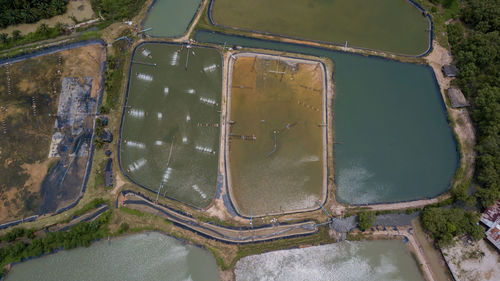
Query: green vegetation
131	211
365	220
17	233
29	11
476	50
89	206
81	234
445	223
42	32
115	10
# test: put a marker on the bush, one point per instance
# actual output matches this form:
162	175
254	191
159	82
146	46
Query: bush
365	220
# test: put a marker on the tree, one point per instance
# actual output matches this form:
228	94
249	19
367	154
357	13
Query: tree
365	220
4	38
16	35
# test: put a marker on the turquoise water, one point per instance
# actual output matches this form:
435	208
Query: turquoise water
150	256
392	138
170	18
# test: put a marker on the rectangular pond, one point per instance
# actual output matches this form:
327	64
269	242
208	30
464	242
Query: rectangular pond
170	18
392	139
387	25
368	260
276	153
170	131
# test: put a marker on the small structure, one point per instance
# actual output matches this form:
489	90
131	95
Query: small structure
450	70
491	218
108	173
106	136
493	235
108	153
457	98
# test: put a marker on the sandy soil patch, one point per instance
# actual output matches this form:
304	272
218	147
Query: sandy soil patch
474	261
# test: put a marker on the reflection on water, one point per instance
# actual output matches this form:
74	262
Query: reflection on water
369	260
151	256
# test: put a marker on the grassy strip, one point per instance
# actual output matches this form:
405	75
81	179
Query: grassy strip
132	211
89	206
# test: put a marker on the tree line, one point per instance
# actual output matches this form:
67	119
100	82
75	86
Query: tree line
29	11
475	45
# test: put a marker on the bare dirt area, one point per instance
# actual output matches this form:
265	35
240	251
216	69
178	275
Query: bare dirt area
473	260
29	100
463	127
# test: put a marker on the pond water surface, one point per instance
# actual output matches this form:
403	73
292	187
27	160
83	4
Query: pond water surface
150	256
368	260
392	139
170	18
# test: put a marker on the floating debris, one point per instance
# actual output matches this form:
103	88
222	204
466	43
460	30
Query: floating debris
160	115
165	90
144	77
158	142
188	118
191	91
184	140
135	144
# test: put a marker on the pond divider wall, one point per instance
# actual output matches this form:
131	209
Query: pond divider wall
231	207
416	5
125	109
245	228
443	104
88	169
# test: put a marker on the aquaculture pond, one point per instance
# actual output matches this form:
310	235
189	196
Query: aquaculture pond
170	18
276	153
150	256
388	25
392	139
369	260
170	132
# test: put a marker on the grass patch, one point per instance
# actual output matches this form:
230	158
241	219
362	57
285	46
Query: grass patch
132	212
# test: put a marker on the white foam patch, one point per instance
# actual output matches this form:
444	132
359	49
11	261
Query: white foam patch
166	175
204	149
210	68
353	185
310	158
165	90
184	140
137	165
340	261
145	77
137	113
188	118
208	101
135	144
146	52
160	115
158	142
197	189
174	59
191	91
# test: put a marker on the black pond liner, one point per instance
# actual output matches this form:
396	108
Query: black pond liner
47	51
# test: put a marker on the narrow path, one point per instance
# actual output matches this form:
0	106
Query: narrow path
221	233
